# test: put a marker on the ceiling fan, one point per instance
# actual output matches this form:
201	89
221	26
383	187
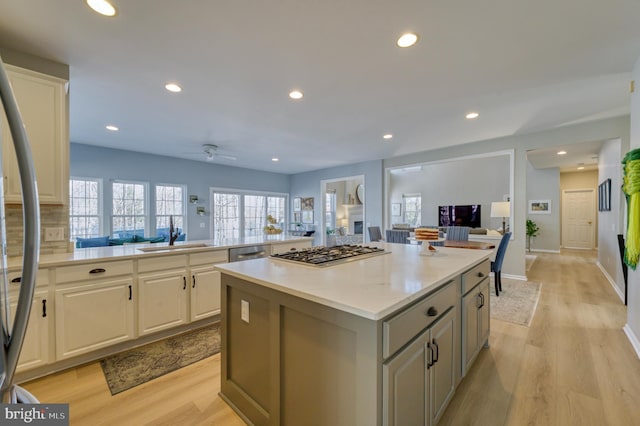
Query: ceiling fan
211	152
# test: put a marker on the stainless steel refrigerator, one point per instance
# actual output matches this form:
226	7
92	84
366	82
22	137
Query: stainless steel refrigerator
14	325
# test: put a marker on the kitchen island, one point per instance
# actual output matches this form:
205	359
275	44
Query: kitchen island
379	341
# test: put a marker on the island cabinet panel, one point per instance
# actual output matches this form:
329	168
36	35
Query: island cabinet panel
475	323
296	361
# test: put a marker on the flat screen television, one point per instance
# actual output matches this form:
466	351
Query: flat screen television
461	215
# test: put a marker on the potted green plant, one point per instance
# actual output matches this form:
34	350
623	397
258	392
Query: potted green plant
532	231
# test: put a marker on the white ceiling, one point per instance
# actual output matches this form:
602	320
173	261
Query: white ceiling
524	66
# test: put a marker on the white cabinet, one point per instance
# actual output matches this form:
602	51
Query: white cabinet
475	322
93	316
293	245
163	295
42	101
35	348
205	284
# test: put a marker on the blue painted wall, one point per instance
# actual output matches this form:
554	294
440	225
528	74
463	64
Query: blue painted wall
308	185
109	164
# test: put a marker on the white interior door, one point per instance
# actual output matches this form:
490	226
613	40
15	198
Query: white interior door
578	218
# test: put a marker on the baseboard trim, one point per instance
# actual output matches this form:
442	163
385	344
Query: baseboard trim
611	281
633	339
515	277
545	251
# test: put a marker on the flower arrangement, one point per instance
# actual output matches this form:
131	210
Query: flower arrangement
271	228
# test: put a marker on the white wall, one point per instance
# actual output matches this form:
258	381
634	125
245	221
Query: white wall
633	308
544	184
454	182
609	222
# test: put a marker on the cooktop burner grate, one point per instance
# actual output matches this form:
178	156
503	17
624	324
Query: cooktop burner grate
326	256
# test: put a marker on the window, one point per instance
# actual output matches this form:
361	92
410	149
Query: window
244	214
412	209
169	202
85	220
330	210
128	217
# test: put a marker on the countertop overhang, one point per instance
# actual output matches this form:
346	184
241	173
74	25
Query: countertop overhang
372	288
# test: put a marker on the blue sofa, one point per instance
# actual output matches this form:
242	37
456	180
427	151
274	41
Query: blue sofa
127	237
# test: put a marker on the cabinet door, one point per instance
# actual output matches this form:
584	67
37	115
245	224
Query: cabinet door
470	305
35	348
162	300
205	292
405	388
484	317
42	103
442	372
283	248
93	316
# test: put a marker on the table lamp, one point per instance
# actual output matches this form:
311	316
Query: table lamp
501	209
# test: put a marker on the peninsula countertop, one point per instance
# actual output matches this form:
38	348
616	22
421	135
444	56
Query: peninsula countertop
372	288
135	251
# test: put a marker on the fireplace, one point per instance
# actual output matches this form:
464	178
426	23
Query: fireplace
357	227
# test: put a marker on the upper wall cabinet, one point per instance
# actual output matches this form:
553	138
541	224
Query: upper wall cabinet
42	101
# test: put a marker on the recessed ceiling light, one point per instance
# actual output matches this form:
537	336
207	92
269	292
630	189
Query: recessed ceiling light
275	159
103	7
295	94
562	152
112	128
472	115
173	87
387	136
407	40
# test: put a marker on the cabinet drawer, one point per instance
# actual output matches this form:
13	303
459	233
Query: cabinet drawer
42	278
209	257
162	262
65	274
474	275
400	329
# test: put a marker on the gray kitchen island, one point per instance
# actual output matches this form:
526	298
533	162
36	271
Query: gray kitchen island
384	340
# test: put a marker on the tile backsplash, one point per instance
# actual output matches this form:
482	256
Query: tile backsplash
50	216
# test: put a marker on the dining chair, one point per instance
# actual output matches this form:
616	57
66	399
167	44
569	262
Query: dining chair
398	236
374	233
496	265
458	233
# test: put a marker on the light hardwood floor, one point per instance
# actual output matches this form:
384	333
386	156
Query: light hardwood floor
572	366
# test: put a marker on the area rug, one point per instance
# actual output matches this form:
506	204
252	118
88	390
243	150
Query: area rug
136	366
517	301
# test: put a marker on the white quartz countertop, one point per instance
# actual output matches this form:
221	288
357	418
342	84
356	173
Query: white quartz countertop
132	251
372	287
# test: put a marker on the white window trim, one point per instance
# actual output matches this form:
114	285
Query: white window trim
102	227
242	192
147	214
184	205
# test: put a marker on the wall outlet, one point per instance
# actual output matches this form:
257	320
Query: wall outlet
202	224
244	311
54	234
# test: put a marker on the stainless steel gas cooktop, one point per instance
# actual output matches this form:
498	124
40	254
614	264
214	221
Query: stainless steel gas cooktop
328	256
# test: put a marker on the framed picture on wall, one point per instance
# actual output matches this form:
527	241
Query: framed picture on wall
604	196
539	207
296	204
396	209
307	203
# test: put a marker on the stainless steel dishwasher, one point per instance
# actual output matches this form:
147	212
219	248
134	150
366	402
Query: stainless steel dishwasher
237	254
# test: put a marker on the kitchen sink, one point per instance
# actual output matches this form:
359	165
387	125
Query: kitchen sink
172	248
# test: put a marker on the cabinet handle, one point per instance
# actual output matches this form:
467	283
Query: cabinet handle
16	280
193	278
481	300
130	293
44	308
435	344
97	271
432	311
184	282
481	274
